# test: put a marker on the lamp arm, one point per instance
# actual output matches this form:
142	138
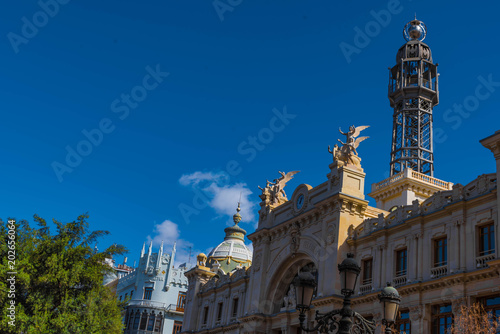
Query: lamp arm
325	322
364	325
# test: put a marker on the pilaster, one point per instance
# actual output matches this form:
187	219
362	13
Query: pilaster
416	317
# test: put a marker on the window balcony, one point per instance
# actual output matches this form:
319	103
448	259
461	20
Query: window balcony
365	288
439	270
481	260
400	280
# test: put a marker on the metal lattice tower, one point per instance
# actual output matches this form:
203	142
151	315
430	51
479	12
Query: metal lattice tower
413	92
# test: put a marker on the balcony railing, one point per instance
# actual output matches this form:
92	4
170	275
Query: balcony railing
439	271
411	174
398	281
148	303
365	288
481	260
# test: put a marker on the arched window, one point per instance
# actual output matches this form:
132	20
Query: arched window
151	321
144	320
137	318
130	320
158	322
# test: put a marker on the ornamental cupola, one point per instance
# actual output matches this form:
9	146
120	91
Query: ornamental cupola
232	253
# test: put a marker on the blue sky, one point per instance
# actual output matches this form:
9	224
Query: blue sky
178	89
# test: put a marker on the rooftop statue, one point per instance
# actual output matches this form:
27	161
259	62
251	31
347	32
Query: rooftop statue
347	152
274	192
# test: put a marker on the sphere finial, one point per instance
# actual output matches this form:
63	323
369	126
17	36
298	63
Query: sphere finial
415	30
237	216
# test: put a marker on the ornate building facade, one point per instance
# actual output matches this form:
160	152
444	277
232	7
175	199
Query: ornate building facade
436	241
156	294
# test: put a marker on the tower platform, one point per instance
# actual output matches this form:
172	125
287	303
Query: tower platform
405	187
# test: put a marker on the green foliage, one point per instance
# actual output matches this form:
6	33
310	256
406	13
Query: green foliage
59	280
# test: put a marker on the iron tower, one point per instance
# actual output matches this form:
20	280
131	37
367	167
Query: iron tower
413	93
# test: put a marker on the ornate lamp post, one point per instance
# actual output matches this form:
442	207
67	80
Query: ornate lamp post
345	320
389	297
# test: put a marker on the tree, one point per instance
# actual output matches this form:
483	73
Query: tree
58	285
474	319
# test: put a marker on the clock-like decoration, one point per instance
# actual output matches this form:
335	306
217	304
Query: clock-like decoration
300	199
300	202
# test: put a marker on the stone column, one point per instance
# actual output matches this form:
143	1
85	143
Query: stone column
377	318
383	265
455	246
463	250
420	271
413	256
416	317
456	305
377	260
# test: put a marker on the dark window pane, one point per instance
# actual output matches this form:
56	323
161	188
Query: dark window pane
136	320
151	322
158	322
144	319
147	293
235	307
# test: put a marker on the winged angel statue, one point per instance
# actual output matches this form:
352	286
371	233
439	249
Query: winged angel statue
274	191
347	151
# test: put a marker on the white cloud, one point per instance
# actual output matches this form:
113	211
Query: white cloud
169	233
222	197
225	200
195	178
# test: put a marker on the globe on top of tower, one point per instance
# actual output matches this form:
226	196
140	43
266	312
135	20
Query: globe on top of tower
415	30
414	33
232	252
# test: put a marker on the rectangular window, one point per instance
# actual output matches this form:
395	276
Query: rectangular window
235	308
205	315
219	312
181	301
147	293
440	252
442	318
131	294
491	304
486	239
177	327
401	262
367	271
403	324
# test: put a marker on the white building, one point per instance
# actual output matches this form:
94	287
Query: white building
156	292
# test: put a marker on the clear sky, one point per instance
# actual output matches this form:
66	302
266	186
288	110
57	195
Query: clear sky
172	95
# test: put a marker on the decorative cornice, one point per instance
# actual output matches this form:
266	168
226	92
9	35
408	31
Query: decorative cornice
493	144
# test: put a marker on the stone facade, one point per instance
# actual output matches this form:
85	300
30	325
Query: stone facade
436	241
336	219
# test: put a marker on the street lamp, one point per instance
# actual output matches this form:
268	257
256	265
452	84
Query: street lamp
389	297
341	320
349	272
